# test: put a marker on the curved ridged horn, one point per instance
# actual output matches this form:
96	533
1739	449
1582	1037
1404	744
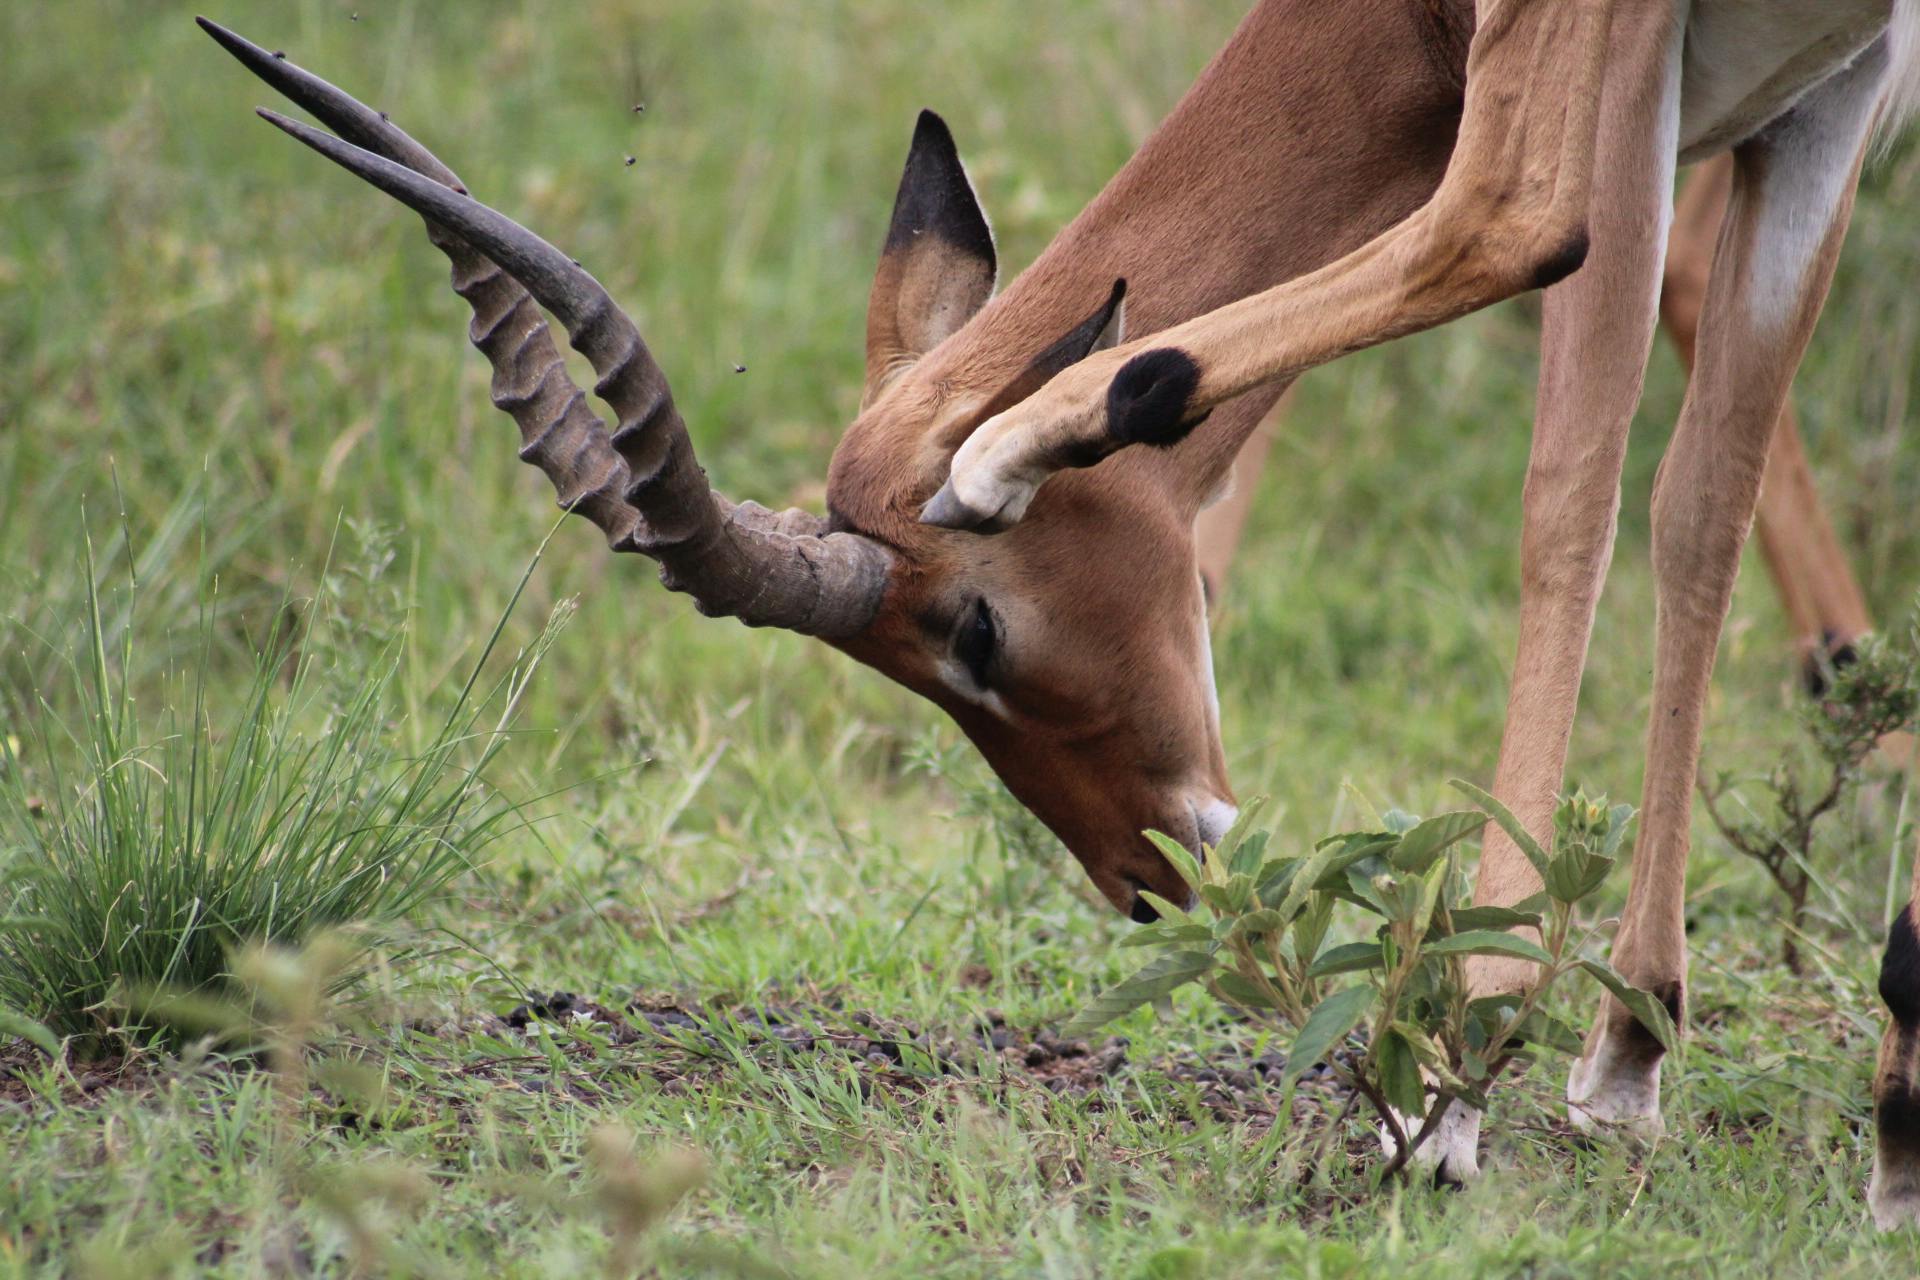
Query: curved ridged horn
642	486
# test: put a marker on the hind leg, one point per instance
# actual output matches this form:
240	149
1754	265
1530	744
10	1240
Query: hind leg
1792	196
1798	544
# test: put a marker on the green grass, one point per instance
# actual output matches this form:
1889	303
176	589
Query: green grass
293	813
190	302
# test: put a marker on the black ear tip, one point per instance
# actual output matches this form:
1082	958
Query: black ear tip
930	132
1119	293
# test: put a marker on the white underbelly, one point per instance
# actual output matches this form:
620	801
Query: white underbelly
1748	61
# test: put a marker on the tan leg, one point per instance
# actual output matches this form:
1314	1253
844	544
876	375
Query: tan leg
1797	541
1597	334
1792	195
1510	215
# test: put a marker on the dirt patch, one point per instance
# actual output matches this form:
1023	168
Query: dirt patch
682	1042
83	1080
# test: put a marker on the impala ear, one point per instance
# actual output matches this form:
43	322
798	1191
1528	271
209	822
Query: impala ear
1105	327
937	268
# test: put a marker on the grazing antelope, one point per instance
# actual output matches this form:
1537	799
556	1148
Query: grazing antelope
1339	175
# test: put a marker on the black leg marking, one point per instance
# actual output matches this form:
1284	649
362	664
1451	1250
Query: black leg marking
1147	400
1641	1045
1896	1116
1570	258
1835	654
1142	912
1900	973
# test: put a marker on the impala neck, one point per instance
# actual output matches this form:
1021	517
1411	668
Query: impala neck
1319	125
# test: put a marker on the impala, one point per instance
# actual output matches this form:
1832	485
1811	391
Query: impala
1341	174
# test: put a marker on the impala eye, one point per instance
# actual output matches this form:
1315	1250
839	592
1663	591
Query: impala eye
976	641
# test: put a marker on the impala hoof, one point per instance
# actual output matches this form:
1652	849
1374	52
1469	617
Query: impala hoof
1609	1091
1451	1157
948	510
1893	1194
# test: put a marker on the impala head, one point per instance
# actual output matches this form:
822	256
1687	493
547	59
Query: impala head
1072	649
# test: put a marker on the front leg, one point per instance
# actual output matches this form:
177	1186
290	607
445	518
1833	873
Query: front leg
1511	214
1597	332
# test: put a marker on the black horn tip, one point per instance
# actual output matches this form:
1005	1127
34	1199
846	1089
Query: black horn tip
287	124
233	42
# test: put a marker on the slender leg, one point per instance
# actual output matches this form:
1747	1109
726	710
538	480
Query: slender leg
1597	333
1797	541
1510	215
1792	197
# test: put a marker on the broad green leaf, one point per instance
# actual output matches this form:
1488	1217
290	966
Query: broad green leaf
1264	920
1238	989
1341	837
1400	1075
1351	957
1183	862
1327	1026
1508	823
1276	875
1429	1054
1643	1005
1310	927
1228	896
1302	883
1399	821
1163	935
1420	846
1487	1018
1158	978
1244	854
1468	918
1241	835
1360	888
1576	872
37	1034
1549	1032
1431	886
1334	875
1168	911
1488	942
1618	822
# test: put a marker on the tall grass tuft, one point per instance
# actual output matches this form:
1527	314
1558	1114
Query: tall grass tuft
137	854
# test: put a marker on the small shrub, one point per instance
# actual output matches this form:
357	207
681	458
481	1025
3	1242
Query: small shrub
138	856
1874	694
1258	942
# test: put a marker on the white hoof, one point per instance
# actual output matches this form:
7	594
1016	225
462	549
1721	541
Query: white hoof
1893	1195
1608	1090
1452	1154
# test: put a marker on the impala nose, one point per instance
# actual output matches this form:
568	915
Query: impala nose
1212	819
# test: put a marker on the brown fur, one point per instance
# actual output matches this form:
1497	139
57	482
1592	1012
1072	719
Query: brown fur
1107	696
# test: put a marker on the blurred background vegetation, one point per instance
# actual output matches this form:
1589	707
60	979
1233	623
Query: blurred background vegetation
229	362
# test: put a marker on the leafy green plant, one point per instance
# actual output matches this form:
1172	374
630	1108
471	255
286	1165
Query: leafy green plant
138	857
1259	940
1874	693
